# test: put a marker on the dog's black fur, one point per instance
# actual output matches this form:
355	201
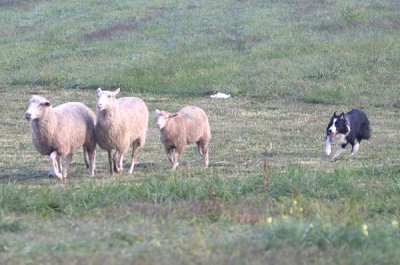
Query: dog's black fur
353	126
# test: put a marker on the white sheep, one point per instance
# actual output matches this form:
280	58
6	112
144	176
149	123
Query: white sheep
59	131
188	126
120	123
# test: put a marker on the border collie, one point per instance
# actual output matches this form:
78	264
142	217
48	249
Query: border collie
347	128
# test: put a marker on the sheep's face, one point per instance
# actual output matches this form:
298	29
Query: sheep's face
161	118
37	107
105	99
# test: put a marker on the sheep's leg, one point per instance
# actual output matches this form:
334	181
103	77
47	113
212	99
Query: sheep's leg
205	156
86	156
132	165
68	160
199	148
170	155
110	162
120	160
117	160
114	159
135	149
55	159
52	173
59	164
175	157
206	159
203	151
92	162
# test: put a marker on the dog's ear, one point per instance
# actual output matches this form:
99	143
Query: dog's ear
342	115
334	114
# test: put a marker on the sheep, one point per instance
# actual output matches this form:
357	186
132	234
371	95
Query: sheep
59	131
120	123
189	125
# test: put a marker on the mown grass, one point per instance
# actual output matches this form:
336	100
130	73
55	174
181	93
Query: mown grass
288	65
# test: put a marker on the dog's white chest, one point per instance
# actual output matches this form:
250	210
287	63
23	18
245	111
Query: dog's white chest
340	138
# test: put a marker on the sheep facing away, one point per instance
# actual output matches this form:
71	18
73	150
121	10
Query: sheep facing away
188	126
120	123
59	131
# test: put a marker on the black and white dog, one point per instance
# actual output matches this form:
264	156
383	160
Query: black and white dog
347	128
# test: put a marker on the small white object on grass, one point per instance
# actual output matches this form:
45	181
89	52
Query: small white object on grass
220	96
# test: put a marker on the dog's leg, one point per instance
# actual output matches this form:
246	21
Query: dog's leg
338	152
327	146
355	147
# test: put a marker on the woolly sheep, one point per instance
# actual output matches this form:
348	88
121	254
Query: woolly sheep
59	131
120	123
188	126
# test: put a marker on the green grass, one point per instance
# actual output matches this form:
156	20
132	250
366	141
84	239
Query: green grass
288	65
303	50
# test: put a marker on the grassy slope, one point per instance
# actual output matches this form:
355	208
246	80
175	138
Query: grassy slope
289	64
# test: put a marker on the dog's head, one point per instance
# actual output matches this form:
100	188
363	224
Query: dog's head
338	124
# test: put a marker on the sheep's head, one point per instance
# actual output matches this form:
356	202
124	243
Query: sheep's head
37	107
161	118
105	99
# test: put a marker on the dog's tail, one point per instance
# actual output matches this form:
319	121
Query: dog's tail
365	131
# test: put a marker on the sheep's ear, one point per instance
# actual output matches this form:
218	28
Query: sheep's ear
157	111
172	115
99	91
46	103
116	91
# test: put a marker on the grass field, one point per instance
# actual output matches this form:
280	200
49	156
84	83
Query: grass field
270	195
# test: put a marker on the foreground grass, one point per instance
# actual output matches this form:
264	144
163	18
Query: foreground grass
288	64
330	218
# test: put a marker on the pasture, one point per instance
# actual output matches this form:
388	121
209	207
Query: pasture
270	195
